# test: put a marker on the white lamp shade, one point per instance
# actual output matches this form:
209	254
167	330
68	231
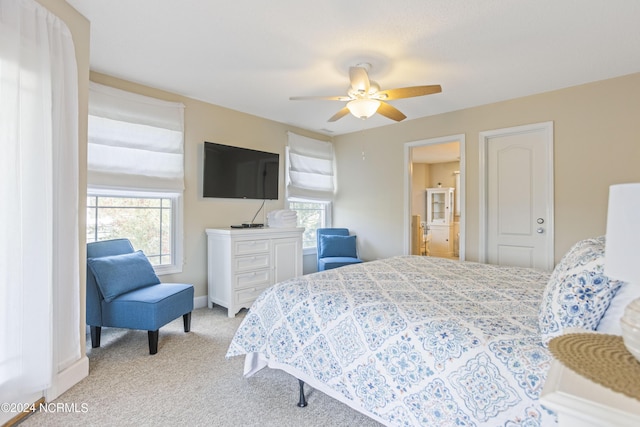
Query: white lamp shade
622	250
363	108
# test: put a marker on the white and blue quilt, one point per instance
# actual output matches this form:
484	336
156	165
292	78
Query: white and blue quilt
409	340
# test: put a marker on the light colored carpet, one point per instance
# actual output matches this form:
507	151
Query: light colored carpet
188	383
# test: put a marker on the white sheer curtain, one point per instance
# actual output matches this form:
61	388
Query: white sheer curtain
39	198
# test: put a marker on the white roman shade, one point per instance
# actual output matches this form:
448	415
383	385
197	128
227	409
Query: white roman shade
135	142
309	168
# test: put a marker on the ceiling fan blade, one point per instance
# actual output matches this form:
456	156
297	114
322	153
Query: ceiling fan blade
340	114
408	92
320	98
390	112
359	80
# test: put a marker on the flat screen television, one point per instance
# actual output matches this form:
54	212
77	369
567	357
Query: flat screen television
239	173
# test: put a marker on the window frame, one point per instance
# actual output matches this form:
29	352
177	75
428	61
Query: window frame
177	214
328	204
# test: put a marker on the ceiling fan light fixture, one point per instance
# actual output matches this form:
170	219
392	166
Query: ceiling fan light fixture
364	98
363	108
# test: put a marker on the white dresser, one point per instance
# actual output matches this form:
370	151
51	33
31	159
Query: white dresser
243	262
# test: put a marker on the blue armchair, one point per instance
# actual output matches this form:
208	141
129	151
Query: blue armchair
336	248
123	291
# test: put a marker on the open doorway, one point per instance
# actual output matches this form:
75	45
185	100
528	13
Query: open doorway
435	197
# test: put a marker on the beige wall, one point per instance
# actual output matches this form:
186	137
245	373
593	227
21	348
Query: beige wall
597	143
594	130
207	122
443	173
419	181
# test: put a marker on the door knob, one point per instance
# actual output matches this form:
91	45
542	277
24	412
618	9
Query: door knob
540	230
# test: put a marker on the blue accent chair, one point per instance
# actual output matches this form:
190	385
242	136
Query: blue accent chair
123	291
336	248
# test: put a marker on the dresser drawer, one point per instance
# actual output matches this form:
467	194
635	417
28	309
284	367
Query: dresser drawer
246	297
244	247
251	262
252	278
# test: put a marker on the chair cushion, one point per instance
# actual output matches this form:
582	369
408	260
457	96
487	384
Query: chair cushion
337	246
149	308
329	263
119	274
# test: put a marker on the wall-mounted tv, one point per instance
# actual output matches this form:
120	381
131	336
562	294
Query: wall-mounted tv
240	173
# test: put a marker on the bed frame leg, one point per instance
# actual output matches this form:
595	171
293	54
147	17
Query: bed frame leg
302	402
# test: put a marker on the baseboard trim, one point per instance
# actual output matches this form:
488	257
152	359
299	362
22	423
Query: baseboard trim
22	415
67	378
200	302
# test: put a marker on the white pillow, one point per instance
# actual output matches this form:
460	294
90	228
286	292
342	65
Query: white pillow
578	293
610	322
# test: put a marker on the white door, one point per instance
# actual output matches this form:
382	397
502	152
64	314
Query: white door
518	201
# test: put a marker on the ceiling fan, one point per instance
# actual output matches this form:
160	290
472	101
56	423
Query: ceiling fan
364	97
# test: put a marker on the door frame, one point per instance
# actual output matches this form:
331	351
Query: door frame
408	173
484	137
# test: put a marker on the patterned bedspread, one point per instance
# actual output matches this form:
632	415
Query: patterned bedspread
409	340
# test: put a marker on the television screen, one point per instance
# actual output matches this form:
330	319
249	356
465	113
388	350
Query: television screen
234	172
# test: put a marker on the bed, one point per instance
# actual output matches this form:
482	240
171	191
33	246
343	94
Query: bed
413	340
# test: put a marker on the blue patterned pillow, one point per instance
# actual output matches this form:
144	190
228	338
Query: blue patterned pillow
578	293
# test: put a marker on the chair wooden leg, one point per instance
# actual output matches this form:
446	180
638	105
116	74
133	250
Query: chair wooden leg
153	341
95	336
186	319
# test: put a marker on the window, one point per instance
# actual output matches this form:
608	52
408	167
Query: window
136	173
310	185
150	221
312	214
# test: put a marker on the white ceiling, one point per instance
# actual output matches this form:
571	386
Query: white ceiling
251	56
